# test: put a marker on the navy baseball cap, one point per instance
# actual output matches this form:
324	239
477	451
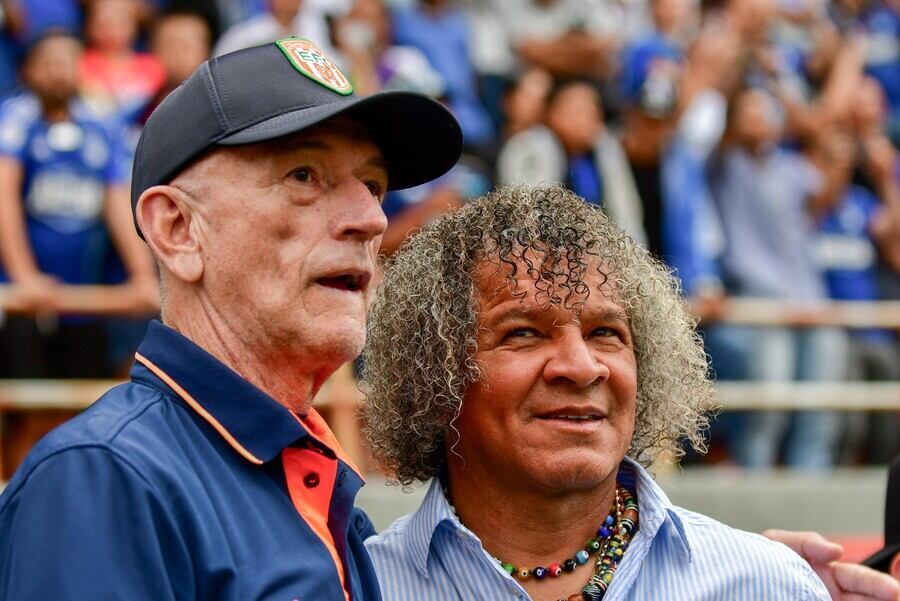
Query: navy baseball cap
269	91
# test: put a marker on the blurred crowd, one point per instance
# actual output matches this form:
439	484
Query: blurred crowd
751	145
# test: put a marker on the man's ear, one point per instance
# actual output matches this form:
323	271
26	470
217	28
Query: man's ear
894	569
165	216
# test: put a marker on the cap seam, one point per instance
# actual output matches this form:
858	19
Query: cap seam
213	91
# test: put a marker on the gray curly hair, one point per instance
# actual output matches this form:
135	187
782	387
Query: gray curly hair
422	327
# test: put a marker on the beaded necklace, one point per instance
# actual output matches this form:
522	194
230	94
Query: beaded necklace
611	542
581	557
612	553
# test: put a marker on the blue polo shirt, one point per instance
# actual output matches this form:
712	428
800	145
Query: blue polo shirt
185	483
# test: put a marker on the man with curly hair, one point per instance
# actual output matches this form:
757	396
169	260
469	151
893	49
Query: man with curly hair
529	358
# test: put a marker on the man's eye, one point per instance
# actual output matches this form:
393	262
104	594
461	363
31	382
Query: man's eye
521	333
304	174
375	189
605	332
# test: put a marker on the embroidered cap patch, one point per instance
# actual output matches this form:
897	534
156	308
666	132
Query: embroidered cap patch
312	62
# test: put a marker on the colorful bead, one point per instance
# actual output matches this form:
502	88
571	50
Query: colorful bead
611	542
592	592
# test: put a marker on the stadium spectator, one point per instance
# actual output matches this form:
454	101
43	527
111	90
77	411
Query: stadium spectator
769	199
364	38
649	87
568	38
280	19
576	149
113	75
180	40
23	21
62	205
440	30
860	231
525	100
877	23
674	119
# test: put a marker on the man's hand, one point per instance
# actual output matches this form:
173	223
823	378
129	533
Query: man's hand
38	293
845	581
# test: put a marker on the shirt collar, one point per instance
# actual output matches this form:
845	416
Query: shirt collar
657	515
434	510
252	422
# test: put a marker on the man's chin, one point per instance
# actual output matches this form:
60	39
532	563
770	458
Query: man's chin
584	472
341	344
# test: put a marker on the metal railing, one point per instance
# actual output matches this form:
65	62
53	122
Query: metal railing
341	396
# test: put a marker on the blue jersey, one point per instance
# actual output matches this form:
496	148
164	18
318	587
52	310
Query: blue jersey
848	256
847	253
66	170
882	34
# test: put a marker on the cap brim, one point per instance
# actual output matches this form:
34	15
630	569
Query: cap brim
419	138
881	560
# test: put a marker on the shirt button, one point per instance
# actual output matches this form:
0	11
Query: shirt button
311	480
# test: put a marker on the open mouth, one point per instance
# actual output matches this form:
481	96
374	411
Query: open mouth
348	282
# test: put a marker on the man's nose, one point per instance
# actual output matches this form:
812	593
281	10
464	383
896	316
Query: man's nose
360	215
574	362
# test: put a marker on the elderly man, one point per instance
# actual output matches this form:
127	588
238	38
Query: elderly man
257	186
540	359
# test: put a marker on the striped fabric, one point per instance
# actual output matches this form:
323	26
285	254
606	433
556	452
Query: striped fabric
676	555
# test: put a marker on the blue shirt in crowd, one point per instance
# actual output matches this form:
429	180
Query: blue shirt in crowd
429	555
691	229
764	206
881	30
443	36
847	253
67	168
185	483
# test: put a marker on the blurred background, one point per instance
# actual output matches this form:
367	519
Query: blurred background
751	145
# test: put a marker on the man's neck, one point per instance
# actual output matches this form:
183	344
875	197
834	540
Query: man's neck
280	375
55	112
528	527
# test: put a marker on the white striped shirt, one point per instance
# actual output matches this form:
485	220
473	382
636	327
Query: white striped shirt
675	555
